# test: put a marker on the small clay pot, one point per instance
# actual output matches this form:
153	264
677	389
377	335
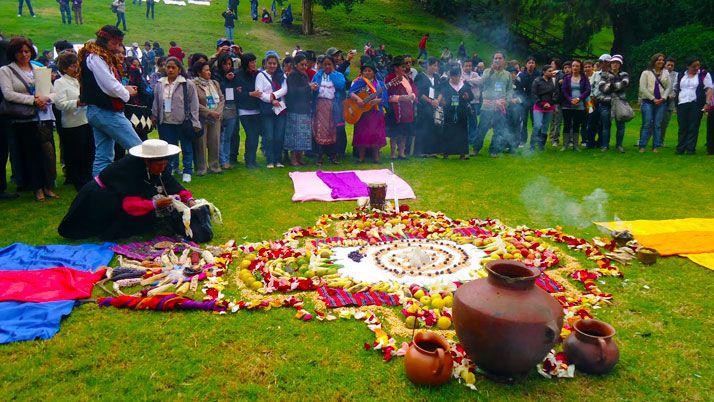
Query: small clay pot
647	256
591	347
428	360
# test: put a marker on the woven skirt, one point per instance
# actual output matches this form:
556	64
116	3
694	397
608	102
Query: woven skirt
298	132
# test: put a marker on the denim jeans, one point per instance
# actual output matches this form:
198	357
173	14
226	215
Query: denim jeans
491	119
472	123
422	52
606	122
109	126
150	7
121	18
175	134
29	7
252	126
652	117
273	136
228	130
229	33
541	122
66	13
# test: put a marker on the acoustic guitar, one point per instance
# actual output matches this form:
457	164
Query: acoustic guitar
352	111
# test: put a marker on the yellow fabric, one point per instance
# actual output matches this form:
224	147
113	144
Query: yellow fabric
704	259
690	237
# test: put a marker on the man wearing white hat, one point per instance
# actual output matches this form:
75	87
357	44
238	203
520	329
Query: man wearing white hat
128	197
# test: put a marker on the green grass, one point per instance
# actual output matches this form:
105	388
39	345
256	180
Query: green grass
664	332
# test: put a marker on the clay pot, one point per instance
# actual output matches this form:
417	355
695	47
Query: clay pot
591	348
505	323
647	256
428	360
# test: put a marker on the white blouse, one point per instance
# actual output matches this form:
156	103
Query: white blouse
688	87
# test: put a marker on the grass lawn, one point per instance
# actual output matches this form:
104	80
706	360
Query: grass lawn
664	332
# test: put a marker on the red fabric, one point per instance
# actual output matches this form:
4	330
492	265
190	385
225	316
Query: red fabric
422	42
137	206
185	195
46	285
311	73
177	52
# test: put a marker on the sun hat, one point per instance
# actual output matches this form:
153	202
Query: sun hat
616	58
605	57
154	149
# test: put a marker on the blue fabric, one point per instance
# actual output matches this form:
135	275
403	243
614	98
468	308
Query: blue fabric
109	127
27	321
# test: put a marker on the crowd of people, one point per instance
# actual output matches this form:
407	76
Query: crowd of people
107	98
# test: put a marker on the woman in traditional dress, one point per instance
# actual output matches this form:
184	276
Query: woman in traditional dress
298	131
369	131
456	96
127	197
401	108
327	107
428	85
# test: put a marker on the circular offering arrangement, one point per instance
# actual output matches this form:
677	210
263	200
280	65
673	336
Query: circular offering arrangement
411	261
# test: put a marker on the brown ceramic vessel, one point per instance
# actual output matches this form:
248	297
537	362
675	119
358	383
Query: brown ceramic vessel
428	360
591	347
506	324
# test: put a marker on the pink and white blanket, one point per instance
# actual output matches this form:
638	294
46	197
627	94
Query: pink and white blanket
309	187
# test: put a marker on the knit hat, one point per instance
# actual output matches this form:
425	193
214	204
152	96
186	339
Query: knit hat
616	58
605	57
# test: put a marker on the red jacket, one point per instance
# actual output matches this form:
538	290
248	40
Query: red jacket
177	52
422	42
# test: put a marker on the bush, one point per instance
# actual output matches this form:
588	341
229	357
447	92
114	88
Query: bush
681	43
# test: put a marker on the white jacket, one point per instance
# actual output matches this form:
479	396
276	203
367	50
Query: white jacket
66	97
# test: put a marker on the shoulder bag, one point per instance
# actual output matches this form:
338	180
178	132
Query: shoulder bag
18	111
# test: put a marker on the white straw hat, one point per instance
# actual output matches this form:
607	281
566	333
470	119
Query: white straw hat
154	149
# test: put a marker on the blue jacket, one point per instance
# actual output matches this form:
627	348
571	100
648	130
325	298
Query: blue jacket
339	80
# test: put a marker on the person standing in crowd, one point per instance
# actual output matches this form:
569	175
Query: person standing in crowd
120	7
77	9
272	87
653	94
557	113
135	52
369	132
456	96
65	11
158	49
546	97
461	52
248	109
422	47
159	72
603	66
514	109
29	7
150	8
229	22
233	6
497	91
5	134
400	118
592	118
78	139
472	78
139	105
148	61
33	126
176	51
105	96
695	93
524	83
427	130
229	85
669	65
613	84
327	105
341	65
575	90
175	113
298	131
210	110
254	9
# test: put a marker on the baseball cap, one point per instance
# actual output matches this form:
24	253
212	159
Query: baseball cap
605	57
223	42
331	52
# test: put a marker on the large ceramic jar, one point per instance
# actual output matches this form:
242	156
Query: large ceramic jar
505	322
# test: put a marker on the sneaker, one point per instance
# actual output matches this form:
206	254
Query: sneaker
620	149
19	15
186	178
279	165
270	166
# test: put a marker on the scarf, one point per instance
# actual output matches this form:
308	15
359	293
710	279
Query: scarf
92	47
207	85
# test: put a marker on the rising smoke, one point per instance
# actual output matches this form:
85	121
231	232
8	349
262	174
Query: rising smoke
548	205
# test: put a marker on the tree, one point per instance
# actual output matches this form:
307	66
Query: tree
308	25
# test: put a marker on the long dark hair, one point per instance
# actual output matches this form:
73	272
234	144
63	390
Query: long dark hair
182	70
278	76
245	60
221	60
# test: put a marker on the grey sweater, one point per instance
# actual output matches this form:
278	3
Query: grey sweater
176	115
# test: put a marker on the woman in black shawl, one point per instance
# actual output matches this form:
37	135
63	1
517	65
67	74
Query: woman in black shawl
456	96
127	197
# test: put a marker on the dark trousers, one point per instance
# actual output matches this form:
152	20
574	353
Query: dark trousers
592	129
573	122
121	19
527	112
37	154
251	125
150	7
78	154
492	119
4	152
710	133
689	117
66	13
29	6
341	144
